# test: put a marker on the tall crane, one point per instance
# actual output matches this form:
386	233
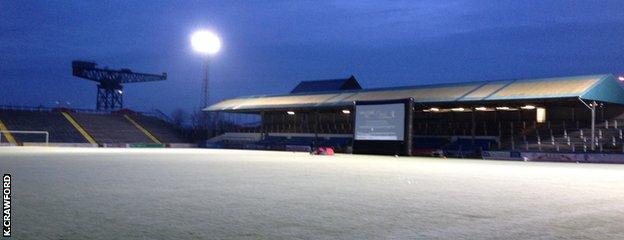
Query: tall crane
110	88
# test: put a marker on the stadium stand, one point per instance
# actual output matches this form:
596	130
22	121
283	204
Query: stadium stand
464	147
60	130
80	127
427	145
462	119
282	141
111	128
162	130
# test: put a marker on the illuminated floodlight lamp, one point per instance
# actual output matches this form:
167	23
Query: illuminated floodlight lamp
528	107
206	42
457	109
502	108
621	78
346	111
481	108
541	115
290	112
434	109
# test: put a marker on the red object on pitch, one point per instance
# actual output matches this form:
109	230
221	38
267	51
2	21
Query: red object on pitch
325	151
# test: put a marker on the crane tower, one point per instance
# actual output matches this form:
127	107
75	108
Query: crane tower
109	82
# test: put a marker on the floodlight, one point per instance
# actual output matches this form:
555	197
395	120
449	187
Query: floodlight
434	109
457	109
528	107
541	115
502	108
621	78
206	42
481	108
346	111
290	112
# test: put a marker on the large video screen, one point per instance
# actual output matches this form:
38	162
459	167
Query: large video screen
384	122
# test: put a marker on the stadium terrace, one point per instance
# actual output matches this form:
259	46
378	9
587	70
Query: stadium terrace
575	114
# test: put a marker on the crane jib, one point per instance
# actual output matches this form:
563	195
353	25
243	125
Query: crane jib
110	89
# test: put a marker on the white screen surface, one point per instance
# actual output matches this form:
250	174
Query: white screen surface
380	122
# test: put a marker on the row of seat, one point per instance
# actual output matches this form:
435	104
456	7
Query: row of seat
432	128
104	128
606	140
308	123
162	130
59	129
111	128
459	147
501	128
281	142
339	128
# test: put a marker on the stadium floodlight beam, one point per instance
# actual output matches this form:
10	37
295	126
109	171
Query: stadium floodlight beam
208	44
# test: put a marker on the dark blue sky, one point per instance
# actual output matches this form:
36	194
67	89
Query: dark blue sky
269	46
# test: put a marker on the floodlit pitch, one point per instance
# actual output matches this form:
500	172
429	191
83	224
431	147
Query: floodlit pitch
95	193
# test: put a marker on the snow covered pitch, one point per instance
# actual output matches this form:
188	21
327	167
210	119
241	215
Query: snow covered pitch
73	193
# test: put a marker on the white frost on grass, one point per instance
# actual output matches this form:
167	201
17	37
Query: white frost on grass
95	193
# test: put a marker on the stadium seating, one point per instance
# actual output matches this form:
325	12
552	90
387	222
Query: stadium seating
324	123
564	136
280	141
162	130
468	147
453	133
550	136
60	130
111	128
428	145
420	142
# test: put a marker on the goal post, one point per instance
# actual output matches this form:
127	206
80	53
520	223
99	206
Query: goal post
4	133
